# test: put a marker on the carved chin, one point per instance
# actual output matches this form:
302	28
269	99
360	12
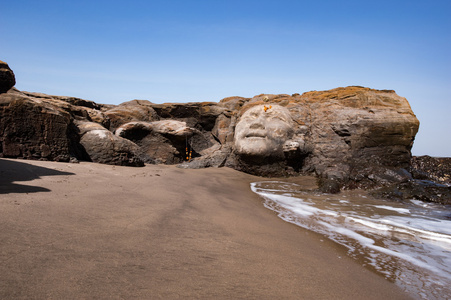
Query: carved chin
256	146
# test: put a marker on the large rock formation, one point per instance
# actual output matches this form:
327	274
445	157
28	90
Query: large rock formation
33	129
39	126
351	137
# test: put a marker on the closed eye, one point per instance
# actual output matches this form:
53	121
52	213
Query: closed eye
252	116
276	117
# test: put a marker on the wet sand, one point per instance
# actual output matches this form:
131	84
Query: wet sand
91	231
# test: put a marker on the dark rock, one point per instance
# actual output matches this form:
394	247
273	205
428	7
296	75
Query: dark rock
329	186
424	190
431	182
102	146
432	168
134	131
158	149
260	166
163	141
388	192
373	176
33	130
215	157
7	78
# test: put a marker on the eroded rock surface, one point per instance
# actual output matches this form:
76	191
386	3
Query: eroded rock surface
33	129
44	127
352	137
102	146
135	110
160	142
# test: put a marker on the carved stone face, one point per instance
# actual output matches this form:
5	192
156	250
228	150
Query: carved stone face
263	130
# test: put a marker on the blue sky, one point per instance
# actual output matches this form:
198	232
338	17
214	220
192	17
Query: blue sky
182	51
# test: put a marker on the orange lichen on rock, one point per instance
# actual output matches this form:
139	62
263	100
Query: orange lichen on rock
357	97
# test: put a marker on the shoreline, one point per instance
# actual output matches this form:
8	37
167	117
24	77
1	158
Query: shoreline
99	231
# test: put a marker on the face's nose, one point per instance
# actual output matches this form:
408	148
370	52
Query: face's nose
258	123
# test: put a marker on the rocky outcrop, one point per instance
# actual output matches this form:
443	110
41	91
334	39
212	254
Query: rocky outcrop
160	142
430	181
102	146
358	134
33	129
7	78
44	127
136	110
352	137
436	169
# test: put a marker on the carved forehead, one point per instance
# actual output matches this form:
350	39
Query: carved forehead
268	109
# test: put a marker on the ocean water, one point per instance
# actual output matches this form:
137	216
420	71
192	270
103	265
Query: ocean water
409	243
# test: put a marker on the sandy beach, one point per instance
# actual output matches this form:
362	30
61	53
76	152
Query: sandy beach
91	231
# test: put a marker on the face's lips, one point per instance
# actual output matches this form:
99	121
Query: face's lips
255	134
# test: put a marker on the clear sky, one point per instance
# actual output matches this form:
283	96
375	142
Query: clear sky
205	50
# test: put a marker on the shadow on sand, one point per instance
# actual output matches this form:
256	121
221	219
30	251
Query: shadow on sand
12	171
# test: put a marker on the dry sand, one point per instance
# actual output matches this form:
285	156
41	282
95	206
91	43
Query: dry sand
91	231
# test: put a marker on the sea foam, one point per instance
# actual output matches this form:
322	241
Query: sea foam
409	243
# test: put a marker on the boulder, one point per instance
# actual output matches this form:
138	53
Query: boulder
33	129
165	141
134	131
135	110
172	128
201	115
102	146
354	129
159	142
7	78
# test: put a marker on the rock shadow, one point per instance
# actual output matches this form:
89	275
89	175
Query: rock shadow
12	171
